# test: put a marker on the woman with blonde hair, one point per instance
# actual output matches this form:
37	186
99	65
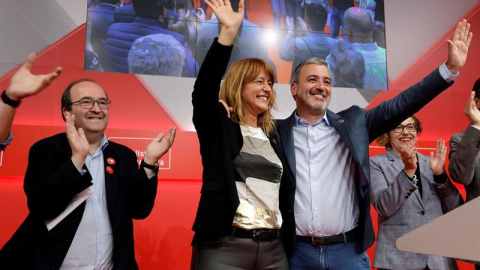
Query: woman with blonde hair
238	218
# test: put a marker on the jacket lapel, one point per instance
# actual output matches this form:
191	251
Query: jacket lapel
424	174
398	165
286	135
111	170
340	126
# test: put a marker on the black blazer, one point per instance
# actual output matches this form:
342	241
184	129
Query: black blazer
357	128
52	180
220	142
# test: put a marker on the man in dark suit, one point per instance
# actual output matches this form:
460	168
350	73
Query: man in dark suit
97	233
464	155
464	167
325	198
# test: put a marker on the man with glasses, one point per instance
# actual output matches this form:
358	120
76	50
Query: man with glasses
98	233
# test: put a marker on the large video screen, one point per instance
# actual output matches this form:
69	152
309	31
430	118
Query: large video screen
172	37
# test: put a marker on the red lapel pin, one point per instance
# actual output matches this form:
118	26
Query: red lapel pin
109	169
110	161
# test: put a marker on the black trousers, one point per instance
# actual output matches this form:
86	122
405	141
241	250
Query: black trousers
239	253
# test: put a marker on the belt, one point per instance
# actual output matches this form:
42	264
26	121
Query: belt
256	235
350	236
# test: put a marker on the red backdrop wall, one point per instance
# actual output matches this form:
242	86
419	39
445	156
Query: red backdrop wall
163	239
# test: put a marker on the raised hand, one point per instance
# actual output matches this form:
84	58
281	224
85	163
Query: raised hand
408	154
229	20
159	146
458	46
471	110
77	140
437	160
24	83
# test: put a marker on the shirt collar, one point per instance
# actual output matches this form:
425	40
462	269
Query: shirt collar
101	148
301	122
104	142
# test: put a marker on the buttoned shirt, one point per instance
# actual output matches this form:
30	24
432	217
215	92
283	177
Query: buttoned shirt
325	199
92	246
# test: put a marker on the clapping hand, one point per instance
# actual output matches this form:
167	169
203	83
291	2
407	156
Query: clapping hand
471	110
24	84
159	146
408	154
437	160
77	140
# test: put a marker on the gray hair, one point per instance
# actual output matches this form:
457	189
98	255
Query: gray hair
296	72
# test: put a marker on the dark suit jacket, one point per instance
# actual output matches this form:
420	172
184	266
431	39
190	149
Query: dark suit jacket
220	142
401	209
50	183
357	128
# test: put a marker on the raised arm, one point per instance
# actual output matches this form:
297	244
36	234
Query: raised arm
207	111
390	113
22	85
229	20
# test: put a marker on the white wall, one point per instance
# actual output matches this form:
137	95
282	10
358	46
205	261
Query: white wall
413	25
31	25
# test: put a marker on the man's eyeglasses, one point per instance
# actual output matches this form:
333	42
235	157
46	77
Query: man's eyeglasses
409	127
88	103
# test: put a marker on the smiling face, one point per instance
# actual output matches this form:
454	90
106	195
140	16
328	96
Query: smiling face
399	140
93	120
256	94
313	91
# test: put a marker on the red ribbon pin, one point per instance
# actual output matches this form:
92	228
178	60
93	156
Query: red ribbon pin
109	169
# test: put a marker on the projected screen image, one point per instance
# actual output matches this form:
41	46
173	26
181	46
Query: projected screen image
172	37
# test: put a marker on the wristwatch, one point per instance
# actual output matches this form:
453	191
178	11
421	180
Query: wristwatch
154	167
10	101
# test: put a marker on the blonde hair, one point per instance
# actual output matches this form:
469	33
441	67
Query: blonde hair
240	73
